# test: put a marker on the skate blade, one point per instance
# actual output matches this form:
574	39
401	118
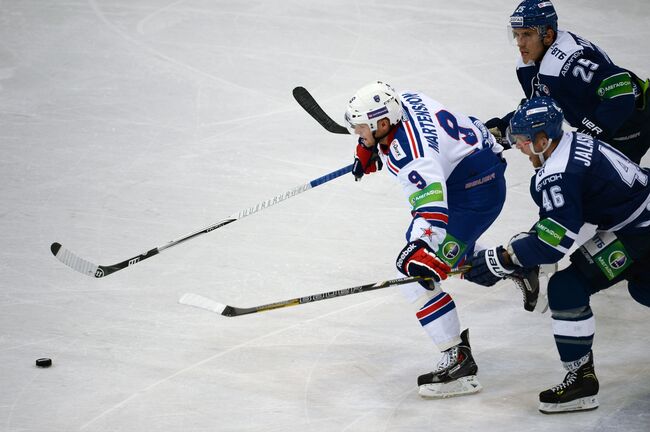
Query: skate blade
582	404
461	386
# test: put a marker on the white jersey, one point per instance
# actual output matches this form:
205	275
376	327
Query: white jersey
423	152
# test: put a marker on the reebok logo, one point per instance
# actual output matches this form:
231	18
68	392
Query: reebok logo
405	253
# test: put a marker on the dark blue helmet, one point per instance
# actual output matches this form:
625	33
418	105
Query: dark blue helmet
538	14
540	114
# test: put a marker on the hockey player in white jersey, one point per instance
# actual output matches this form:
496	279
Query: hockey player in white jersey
452	172
578	179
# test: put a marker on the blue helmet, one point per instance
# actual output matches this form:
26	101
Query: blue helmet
540	114
538	14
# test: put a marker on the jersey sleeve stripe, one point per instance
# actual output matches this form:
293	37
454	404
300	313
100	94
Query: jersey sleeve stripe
433	216
414	139
392	168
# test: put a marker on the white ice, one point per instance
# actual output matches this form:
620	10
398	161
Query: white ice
127	124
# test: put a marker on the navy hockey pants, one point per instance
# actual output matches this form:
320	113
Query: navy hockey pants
476	194
569	292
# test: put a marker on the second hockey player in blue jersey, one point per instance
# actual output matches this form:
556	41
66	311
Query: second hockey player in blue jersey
597	96
578	179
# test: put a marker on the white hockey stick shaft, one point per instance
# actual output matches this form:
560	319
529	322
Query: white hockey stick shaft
98	271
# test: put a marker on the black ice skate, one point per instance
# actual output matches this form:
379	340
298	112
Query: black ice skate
527	280
455	374
576	393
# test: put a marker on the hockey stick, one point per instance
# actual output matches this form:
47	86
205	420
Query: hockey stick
90	269
199	301
309	104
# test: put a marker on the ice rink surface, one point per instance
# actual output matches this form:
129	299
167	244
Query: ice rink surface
127	124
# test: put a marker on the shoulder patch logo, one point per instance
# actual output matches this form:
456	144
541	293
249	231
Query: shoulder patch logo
550	232
396	150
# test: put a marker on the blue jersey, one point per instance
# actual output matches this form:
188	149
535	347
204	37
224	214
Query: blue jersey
584	180
596	95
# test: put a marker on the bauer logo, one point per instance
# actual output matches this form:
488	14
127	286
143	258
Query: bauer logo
617	260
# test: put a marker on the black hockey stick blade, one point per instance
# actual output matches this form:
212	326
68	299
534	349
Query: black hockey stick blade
202	302
95	270
309	104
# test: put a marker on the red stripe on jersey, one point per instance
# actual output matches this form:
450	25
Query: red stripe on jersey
413	143
434	216
433	307
391	167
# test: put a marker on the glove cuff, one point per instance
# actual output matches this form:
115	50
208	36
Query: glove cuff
496	266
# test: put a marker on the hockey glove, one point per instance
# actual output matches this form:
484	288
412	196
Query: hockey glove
366	161
487	267
418	259
499	128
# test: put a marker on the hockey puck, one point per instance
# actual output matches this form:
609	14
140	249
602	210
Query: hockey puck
44	362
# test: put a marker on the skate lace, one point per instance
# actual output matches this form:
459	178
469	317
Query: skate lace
568	380
448	359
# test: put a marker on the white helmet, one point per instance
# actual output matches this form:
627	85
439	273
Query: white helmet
372	103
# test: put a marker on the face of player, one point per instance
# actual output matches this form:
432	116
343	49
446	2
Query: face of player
527	147
364	132
530	44
371	139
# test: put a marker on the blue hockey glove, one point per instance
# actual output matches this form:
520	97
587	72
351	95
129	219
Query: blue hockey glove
366	161
418	259
487	267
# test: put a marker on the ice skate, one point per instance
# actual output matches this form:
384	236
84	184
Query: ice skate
576	393
455	374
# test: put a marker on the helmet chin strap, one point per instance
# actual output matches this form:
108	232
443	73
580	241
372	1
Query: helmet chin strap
540	154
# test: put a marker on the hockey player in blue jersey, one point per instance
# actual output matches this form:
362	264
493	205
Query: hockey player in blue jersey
578	179
598	97
452	173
